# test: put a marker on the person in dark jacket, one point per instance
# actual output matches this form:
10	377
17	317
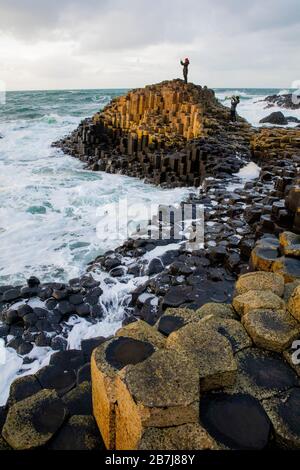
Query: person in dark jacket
185	65
234	102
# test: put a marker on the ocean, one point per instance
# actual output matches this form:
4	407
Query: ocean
50	204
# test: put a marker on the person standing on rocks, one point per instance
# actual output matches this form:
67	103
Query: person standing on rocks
185	65
234	102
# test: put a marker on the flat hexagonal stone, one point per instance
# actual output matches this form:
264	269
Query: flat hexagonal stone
71	359
161	391
253	300
178	295
142	331
169	323
283	412
219	310
260	280
79	433
263	257
79	400
293	305
124	351
263	374
33	421
23	387
235	421
210	351
289	289
187	436
289	268
271	329
56	378
232	330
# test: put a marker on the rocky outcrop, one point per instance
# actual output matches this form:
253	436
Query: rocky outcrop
287	101
171	134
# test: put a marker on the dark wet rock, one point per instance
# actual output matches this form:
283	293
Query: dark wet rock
76	299
51	304
84	373
169	323
155	267
30	319
4	331
71	359
89	282
3	415
61	294
55	377
97	311
23	387
277	118
65	307
44	326
42	340
59	344
16	330
88	345
33	282
33	421
237	422
11	317
28	292
79	433
79	400
46	293
24	348
124	351
83	310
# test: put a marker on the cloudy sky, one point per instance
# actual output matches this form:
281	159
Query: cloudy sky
48	44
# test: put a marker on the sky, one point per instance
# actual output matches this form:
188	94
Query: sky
65	44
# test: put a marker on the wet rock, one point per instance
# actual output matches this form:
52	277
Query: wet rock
69	360
162	391
59	344
33	421
79	433
88	345
33	282
290	243
84	374
83	310
42	341
273	330
123	351
188	436
210	351
79	400
76	299
56	378
277	118
155	267
177	296
289	268
169	323
237	422
23	387
11	294
11	317
254	300
293	305
24	310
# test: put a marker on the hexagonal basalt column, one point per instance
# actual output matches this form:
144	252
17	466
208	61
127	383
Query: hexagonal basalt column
210	352
107	360
162	391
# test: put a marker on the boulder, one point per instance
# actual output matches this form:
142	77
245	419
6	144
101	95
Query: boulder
32	422
188	436
260	281
23	387
56	378
274	330
290	243
162	391
254	300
